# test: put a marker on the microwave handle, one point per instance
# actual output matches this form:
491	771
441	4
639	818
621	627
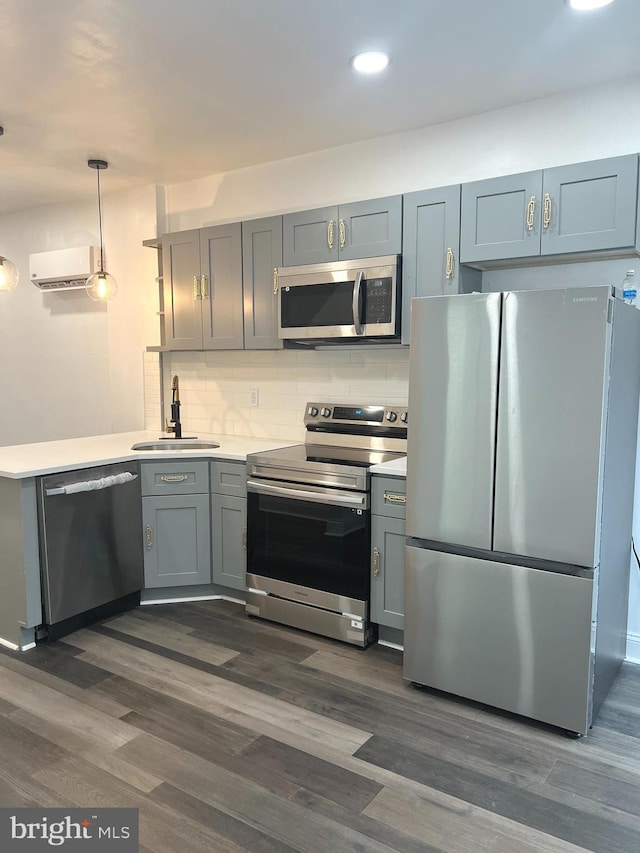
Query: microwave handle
357	322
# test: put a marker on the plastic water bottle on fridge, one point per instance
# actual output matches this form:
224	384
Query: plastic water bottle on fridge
630	288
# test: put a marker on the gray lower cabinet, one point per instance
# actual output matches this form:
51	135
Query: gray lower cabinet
261	256
430	247
202	288
387	551
363	229
229	526
580	208
229	523
176	523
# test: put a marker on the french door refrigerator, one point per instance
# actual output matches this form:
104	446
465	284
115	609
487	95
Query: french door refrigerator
520	478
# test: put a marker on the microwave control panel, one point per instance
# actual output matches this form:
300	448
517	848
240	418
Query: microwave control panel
377	302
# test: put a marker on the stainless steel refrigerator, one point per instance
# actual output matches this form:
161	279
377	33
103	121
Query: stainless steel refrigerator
521	458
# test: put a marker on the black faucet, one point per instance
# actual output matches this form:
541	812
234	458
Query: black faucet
175	426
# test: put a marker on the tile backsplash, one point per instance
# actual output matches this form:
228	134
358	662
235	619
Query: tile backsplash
216	387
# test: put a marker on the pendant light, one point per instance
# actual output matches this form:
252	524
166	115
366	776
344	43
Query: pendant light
8	275
101	286
8	271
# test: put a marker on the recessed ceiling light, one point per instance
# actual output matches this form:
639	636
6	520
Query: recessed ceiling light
370	62
587	5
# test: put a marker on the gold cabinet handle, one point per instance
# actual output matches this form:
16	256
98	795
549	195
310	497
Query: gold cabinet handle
546	216
196	287
204	293
449	265
244	539
275	279
394	498
343	233
330	234
531	212
149	537
376	562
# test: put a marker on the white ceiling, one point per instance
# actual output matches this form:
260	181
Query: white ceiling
169	90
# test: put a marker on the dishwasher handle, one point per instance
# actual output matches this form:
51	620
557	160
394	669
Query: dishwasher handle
92	485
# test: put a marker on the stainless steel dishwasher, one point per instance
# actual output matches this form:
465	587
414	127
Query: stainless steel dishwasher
91	548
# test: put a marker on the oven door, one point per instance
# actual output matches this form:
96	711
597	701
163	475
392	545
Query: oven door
309	543
335	301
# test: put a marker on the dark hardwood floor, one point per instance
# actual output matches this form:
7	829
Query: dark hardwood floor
232	734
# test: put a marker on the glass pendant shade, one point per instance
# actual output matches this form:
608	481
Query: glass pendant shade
8	275
101	286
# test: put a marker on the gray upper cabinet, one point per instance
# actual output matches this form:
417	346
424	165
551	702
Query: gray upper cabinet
261	256
367	229
180	282
501	218
575	209
202	288
221	289
430	247
310	236
590	206
364	229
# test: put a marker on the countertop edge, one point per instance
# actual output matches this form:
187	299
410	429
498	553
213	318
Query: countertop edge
78	453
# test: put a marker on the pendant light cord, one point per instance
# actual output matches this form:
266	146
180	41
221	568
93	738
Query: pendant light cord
100	221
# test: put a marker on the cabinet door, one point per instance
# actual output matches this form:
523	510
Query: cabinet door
501	218
229	525
367	229
430	247
221	264
176	540
592	206
180	283
310	237
261	255
387	571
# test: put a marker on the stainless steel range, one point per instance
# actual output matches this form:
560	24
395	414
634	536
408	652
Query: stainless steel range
308	525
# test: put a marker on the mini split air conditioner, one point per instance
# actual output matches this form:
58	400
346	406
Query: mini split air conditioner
63	269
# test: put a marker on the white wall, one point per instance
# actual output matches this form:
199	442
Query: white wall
73	367
586	125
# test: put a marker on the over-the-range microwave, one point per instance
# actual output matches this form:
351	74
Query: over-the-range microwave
342	301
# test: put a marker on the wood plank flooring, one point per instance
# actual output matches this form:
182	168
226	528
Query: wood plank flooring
233	734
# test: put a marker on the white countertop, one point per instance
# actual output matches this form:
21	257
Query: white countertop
48	457
395	468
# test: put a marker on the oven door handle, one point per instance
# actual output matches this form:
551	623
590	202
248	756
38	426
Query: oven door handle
335	498
357	322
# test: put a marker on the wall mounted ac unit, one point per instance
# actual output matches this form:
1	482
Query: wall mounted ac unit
63	269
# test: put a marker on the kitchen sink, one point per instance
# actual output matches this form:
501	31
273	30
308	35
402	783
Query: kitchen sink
176	444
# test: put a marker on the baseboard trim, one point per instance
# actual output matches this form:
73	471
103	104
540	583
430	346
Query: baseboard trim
9	645
633	648
191	598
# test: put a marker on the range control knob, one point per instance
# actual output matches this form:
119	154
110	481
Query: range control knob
392	416
404	417
312	410
325	412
